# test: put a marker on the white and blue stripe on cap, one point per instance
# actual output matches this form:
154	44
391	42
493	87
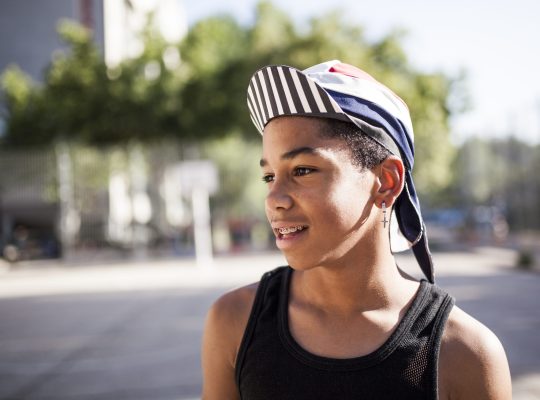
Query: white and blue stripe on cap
280	90
336	90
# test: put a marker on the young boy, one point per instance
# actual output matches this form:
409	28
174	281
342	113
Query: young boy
342	321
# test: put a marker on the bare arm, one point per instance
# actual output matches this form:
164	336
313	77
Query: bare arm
225	325
472	363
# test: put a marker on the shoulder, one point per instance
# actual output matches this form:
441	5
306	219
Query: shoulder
223	332
472	362
228	316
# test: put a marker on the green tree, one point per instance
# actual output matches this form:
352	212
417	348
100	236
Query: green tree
204	96
219	104
208	103
81	100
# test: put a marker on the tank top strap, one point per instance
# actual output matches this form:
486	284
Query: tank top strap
269	279
433	318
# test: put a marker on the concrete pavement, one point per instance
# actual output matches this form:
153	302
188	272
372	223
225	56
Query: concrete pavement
132	330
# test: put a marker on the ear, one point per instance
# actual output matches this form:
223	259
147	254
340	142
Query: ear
391	179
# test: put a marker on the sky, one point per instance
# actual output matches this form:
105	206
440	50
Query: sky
496	43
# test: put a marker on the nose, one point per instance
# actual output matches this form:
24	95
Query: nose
278	197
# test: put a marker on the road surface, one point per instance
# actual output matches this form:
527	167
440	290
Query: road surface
133	330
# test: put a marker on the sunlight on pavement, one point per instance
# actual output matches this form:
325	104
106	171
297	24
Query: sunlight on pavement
151	275
527	387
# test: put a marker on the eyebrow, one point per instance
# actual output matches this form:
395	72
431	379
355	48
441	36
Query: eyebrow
289	155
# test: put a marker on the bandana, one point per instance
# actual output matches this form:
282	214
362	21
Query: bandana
344	92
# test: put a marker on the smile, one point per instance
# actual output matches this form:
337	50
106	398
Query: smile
291	229
288	236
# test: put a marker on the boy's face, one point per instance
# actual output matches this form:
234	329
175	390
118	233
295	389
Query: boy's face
318	202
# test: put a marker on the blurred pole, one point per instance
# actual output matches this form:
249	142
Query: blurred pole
69	220
201	220
200	179
140	203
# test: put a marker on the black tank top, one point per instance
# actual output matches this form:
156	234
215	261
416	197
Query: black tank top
272	366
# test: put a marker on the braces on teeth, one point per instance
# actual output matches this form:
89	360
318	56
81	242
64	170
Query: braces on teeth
285	231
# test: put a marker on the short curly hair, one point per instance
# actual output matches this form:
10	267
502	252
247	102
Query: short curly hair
366	153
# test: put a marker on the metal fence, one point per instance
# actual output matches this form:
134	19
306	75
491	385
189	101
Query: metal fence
68	200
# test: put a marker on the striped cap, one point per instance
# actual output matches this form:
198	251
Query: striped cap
344	92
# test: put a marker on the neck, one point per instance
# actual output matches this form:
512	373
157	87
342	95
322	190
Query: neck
364	279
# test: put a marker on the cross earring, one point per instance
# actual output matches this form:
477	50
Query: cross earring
384	221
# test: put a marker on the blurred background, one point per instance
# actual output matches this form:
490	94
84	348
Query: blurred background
130	191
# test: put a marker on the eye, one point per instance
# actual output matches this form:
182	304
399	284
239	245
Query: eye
268	178
301	171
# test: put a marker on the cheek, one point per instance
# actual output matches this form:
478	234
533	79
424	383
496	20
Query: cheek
348	204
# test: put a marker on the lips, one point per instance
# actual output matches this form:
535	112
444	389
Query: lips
291	229
285	231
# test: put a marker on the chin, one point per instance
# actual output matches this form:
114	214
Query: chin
311	260
302	263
